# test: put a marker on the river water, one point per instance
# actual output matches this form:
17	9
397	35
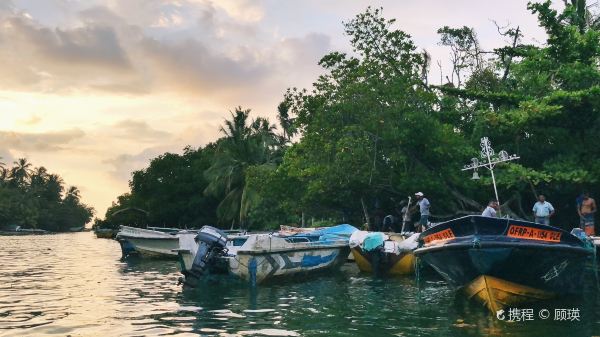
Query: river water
76	285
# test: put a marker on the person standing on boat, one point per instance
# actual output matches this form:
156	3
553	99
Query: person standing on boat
490	210
424	206
578	202
543	210
587	209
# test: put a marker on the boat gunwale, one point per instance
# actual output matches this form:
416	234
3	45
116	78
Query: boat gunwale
287	250
121	236
502	244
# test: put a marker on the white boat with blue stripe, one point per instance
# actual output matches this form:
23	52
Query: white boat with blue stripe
266	256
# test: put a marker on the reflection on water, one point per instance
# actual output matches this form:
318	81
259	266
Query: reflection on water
75	284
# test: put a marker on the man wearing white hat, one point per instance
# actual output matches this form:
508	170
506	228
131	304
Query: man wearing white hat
423	209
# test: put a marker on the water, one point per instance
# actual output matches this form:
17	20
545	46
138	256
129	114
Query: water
75	285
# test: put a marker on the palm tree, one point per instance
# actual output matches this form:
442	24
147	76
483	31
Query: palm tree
72	195
3	171
53	188
286	122
38	177
244	145
236	129
20	172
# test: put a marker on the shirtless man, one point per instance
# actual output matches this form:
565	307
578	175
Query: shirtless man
587	209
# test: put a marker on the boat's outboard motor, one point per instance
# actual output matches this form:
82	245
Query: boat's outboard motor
211	244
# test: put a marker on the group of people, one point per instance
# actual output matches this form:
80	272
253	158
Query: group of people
542	211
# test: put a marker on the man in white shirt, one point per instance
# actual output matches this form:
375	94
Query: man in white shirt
424	206
542	210
490	210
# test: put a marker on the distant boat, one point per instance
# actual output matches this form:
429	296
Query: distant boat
504	262
266	256
24	231
76	229
384	253
105	233
151	242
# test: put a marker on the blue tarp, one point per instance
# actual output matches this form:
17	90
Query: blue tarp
372	241
343	230
338	232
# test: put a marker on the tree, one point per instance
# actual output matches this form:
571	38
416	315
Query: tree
245	144
33	198
370	131
20	172
547	110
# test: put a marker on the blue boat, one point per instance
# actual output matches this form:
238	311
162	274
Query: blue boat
503	262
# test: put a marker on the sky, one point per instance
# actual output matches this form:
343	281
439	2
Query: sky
94	89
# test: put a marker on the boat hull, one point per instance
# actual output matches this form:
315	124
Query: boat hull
261	267
496	294
150	243
105	233
150	248
547	269
499	266
381	263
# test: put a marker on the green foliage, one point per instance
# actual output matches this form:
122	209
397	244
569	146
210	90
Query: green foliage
371	131
546	110
167	193
245	146
33	198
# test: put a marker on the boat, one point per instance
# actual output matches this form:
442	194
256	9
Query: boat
503	262
76	229
105	233
596	242
25	231
265	256
151	241
384	254
188	248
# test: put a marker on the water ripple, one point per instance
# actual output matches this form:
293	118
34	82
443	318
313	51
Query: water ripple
75	284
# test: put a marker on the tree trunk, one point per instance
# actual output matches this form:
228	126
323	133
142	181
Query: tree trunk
366	213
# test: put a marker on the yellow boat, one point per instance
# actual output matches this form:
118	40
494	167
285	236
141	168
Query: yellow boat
388	258
496	294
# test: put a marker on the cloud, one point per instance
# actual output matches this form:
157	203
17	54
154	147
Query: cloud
245	10
30	121
49	141
139	131
190	47
7	7
125	164
6	157
43	59
92	45
192	66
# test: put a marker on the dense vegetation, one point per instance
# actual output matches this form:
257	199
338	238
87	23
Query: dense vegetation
373	130
33	198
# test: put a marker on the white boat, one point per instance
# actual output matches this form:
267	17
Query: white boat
265	256
152	242
596	242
